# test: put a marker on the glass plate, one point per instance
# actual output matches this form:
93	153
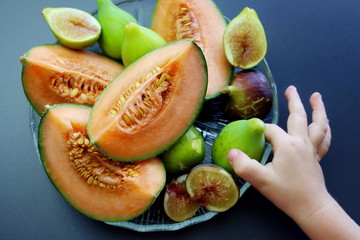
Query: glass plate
155	219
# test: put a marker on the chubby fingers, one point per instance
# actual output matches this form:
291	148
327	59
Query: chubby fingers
319	130
297	122
250	170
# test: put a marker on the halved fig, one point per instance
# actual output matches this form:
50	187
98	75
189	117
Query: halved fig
177	203
213	187
73	27
245	40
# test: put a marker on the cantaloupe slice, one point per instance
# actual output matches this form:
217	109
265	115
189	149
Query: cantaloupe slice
151	104
97	186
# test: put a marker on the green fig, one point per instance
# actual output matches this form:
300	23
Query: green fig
244	40
138	41
246	135
186	153
113	21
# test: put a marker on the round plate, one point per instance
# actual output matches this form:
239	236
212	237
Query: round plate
155	219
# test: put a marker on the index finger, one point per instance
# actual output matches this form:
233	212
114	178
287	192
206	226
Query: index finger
297	122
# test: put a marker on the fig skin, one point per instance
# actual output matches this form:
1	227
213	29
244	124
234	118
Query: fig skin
138	41
186	153
250	95
245	135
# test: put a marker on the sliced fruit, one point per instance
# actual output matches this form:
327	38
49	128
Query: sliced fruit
246	135
53	74
186	153
97	186
250	95
202	21
177	203
151	104
213	187
73	28
113	21
138	41
245	40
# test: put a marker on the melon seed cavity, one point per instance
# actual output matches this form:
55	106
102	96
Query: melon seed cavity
149	94
187	25
95	168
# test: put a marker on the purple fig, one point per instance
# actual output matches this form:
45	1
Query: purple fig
250	95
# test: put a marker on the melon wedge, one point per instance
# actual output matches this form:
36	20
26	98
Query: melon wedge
202	21
151	104
53	74
97	186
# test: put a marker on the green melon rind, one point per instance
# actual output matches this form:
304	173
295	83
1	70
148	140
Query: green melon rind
43	161
231	70
168	145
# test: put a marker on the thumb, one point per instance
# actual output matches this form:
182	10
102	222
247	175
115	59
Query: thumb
249	169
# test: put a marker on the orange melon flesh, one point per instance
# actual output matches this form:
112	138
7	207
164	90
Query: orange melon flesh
184	61
126	202
43	64
207	25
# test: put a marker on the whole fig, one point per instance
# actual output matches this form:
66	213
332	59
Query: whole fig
250	95
113	21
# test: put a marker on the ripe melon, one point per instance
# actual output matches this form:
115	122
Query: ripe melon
151	104
202	21
96	185
53	74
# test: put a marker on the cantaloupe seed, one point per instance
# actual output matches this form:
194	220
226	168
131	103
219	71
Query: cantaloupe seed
152	85
94	167
186	25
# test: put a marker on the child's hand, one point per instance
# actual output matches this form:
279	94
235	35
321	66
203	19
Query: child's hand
293	181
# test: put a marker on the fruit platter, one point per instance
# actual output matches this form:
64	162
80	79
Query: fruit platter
133	129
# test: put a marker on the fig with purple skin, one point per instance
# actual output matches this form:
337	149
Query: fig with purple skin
250	95
177	203
213	187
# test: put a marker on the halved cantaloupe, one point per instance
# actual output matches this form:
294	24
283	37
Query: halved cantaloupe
150	104
97	186
53	74
202	21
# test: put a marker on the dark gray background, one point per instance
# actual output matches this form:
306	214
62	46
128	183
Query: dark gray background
312	44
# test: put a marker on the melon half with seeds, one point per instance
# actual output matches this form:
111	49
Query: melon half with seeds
151	104
53	74
96	185
202	21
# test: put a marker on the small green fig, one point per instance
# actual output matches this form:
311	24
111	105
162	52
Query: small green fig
186	153
113	21
245	135
138	41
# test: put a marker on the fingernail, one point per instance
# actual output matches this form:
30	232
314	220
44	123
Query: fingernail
233	153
